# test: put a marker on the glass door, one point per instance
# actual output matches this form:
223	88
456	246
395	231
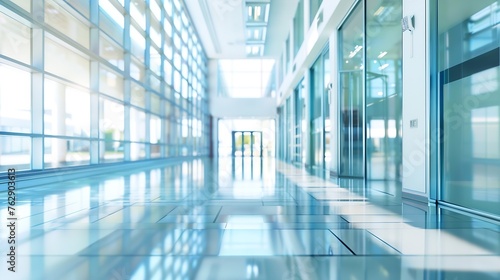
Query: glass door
247	143
320	111
383	92
351	95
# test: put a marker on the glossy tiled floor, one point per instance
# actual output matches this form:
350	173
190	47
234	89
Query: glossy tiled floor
240	219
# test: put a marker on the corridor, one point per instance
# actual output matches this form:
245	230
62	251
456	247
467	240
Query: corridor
241	218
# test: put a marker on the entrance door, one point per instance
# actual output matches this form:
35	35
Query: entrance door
247	143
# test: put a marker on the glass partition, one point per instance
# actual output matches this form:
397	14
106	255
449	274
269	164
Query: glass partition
468	50
383	90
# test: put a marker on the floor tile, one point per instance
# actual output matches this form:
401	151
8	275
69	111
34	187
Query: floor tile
275	221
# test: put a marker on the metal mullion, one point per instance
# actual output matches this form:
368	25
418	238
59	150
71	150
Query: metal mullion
126	81
37	88
94	84
147	82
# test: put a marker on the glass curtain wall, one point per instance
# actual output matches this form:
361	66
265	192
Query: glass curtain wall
468	51
351	94
383	90
90	82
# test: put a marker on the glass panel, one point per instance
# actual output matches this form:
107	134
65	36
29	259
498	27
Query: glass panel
66	23
167	26
15	99
111	20
112	12
326	110
110	151
155	104
167	68
110	83
167	4
351	66
288	54
383	91
67	110
16	42
138	96
155	61
155	9
154	130
137	151
111	52
111	120
316	107
15	152
25	4
155	83
82	6
469	41
177	81
137	125
67	63
138	43
154	32
66	152
137	71
138	12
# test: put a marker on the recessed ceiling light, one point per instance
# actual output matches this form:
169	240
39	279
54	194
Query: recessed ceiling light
256	15
383	66
379	11
382	54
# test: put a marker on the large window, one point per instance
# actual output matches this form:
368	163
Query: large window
69	96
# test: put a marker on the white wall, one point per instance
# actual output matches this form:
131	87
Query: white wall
226	107
415	101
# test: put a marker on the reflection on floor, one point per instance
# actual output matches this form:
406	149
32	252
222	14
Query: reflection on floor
240	218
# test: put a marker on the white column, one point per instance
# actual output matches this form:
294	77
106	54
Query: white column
415	101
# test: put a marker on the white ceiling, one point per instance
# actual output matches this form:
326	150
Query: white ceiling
221	26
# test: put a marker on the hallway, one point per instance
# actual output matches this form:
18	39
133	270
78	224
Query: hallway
240	218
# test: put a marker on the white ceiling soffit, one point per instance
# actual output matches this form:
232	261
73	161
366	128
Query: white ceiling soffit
281	15
222	28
